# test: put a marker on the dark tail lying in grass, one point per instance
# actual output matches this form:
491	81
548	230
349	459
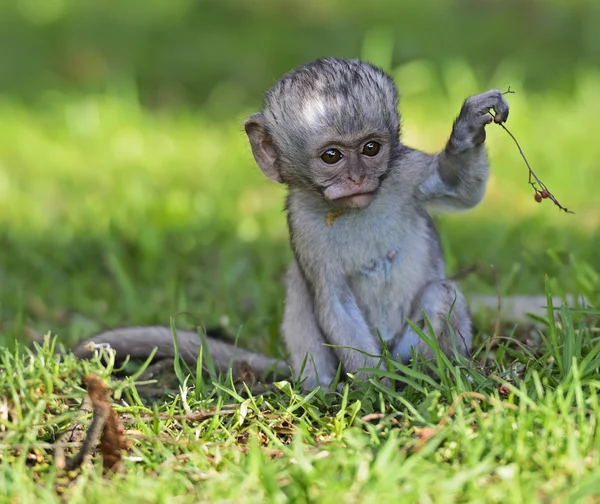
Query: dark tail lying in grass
139	342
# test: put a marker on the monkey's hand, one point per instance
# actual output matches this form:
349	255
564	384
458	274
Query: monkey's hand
344	326
456	177
469	127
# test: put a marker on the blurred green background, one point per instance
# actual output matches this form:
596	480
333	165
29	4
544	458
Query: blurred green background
128	193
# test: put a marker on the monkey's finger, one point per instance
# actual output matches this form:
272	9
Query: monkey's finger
501	108
486	119
478	123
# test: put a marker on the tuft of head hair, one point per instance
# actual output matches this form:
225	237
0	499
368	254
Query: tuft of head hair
330	96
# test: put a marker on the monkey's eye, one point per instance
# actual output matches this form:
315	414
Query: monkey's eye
332	156
371	149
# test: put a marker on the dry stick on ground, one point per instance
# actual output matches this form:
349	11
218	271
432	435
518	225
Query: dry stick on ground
541	190
463	273
197	416
88	445
105	428
112	441
74	434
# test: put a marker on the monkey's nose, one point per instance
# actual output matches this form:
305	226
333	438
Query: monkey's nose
357	179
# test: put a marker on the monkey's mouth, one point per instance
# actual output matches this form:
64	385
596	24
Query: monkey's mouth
358	200
350	195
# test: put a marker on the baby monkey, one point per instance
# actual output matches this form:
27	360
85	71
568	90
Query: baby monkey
366	253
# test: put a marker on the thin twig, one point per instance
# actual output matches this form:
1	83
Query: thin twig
40	446
105	431
463	273
74	433
197	416
91	440
541	190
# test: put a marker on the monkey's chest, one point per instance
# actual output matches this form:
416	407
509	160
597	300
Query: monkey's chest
386	285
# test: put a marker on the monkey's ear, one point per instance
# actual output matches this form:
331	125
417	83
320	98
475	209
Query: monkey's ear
262	146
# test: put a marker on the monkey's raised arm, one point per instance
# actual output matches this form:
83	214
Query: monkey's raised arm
456	177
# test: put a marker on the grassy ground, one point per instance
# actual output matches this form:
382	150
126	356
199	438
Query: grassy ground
112	215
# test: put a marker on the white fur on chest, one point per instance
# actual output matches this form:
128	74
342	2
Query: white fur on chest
383	252
394	265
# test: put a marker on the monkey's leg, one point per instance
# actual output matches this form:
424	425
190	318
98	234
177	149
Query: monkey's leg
446	308
303	337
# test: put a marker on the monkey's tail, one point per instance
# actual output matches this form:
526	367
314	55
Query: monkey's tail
138	343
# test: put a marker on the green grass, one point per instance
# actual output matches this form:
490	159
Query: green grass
111	214
523	428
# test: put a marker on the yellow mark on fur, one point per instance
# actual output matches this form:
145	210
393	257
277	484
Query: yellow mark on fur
330	218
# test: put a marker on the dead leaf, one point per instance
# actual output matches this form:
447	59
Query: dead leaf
112	441
105	431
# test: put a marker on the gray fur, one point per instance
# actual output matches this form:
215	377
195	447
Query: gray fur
377	265
138	343
367	255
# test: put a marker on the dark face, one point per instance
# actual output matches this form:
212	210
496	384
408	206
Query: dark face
348	169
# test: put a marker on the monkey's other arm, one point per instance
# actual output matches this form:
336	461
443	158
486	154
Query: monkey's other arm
457	176
320	307
344	324
303	336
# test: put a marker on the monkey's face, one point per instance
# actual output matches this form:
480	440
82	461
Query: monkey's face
330	126
344	160
348	169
